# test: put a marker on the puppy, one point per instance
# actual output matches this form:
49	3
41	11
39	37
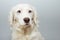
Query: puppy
23	21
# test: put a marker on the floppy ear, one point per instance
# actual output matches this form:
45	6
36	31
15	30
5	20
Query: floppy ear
35	19
11	17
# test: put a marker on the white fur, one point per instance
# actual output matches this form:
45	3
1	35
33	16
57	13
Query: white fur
18	26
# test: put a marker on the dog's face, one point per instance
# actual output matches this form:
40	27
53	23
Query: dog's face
23	14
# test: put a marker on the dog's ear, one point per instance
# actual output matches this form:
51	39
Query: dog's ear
11	17
35	19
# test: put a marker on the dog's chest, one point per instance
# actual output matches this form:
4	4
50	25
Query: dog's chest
20	36
23	37
27	37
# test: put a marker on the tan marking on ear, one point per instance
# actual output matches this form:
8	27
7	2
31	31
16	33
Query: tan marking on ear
14	20
34	18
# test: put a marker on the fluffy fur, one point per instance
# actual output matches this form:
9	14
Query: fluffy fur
21	31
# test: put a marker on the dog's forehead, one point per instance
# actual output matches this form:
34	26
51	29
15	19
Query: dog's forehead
23	6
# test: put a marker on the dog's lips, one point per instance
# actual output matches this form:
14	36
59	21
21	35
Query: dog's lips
25	26
28	23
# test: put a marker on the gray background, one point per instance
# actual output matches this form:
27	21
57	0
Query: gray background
48	12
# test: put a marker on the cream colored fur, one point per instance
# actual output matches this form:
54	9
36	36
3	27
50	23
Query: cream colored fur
20	31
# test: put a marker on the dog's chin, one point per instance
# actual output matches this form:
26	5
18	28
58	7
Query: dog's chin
25	26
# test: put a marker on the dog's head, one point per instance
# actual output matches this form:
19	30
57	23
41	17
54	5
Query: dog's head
23	15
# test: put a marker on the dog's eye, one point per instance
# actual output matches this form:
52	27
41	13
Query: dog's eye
29	11
19	11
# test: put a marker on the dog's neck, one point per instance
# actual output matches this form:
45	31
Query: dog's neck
26	31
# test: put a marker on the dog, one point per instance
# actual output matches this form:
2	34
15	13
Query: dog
23	21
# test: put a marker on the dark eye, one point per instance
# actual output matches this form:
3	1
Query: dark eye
19	11
29	11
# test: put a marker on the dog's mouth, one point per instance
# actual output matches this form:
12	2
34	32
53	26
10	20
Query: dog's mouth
27	24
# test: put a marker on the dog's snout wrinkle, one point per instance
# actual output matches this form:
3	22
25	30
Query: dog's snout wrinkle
26	20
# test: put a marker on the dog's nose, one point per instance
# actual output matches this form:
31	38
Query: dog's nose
26	20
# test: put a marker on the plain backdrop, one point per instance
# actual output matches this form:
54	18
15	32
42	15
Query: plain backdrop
48	13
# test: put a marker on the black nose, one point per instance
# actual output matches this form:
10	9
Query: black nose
26	20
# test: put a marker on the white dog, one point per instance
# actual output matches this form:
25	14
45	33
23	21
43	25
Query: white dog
23	22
